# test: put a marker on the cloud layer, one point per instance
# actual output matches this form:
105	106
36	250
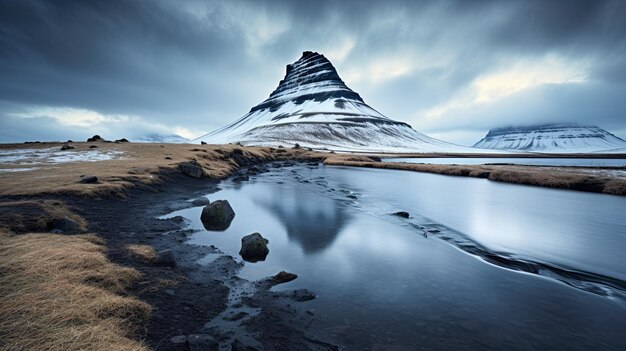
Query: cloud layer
452	69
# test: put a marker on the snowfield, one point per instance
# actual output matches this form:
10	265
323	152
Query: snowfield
553	138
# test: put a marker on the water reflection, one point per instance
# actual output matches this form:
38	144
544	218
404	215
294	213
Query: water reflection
381	284
314	222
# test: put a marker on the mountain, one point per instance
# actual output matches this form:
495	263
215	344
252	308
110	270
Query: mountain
161	138
313	107
553	138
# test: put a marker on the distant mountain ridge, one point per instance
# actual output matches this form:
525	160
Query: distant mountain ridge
551	137
160	138
313	107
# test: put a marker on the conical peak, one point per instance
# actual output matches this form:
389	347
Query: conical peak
308	59
311	77
310	69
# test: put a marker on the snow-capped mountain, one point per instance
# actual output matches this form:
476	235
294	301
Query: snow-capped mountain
313	107
553	138
161	138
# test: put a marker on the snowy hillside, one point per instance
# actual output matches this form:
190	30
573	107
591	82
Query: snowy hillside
553	138
161	138
313	107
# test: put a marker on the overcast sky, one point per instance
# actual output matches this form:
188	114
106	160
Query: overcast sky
71	69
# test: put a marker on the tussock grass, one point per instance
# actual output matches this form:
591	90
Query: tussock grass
60	292
36	215
145	253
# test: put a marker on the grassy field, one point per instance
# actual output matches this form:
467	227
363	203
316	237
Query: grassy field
138	164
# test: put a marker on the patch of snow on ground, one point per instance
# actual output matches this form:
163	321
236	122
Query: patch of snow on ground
54	156
17	169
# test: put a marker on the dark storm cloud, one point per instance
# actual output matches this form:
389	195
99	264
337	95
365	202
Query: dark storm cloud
200	64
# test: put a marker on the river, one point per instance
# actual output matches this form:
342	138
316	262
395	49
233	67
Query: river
478	265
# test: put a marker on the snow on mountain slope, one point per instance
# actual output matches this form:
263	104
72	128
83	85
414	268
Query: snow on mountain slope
161	138
553	138
313	107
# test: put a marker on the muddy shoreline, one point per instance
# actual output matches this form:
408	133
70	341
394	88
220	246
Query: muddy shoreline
186	297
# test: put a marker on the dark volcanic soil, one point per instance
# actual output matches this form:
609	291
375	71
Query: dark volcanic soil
178	309
187	296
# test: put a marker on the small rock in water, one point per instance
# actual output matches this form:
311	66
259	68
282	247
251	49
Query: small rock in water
283	277
201	201
93	146
202	342
254	248
123	140
302	295
88	179
402	214
217	216
67	147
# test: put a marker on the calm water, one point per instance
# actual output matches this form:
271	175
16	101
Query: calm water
385	282
587	162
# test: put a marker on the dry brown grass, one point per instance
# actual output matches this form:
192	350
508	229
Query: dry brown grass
553	177
61	293
36	215
141	164
145	253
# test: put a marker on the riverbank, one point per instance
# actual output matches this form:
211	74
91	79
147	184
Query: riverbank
607	180
49	205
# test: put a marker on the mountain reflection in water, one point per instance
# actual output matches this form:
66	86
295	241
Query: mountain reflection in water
313	223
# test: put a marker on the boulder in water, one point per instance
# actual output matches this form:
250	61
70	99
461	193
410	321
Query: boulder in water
217	215
254	248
